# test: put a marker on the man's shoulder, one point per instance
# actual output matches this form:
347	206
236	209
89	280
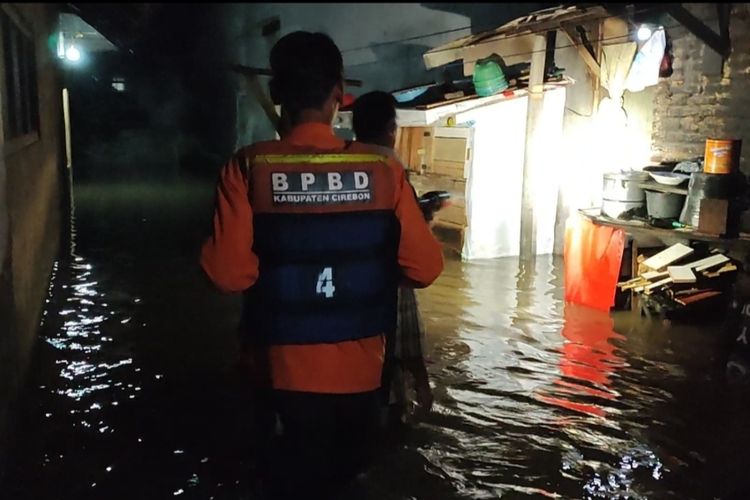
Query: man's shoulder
387	153
258	148
248	153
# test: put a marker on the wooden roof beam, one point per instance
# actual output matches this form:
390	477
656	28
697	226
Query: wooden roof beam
724	11
718	42
583	49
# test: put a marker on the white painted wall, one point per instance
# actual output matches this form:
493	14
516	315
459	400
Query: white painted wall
494	186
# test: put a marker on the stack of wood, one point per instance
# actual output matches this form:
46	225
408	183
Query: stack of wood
679	278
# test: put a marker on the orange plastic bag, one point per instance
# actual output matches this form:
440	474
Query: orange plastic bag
593	256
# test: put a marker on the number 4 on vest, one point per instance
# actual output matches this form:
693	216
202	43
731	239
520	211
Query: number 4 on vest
325	283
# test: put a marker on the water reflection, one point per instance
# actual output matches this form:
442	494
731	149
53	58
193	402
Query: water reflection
587	362
87	375
531	405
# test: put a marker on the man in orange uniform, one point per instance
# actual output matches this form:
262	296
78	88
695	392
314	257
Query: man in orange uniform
318	234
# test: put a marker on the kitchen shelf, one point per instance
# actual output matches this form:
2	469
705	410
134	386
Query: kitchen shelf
655	186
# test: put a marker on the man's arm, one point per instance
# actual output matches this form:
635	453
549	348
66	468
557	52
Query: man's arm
419	254
227	256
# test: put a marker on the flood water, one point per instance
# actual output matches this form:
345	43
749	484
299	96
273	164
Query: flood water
133	391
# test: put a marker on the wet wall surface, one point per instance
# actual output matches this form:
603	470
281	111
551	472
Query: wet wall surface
134	392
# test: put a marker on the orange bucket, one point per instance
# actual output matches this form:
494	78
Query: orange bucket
722	156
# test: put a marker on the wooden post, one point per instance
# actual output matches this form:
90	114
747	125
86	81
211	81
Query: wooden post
598	77
264	100
633	274
533	145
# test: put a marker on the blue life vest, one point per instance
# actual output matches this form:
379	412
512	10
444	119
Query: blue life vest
324	276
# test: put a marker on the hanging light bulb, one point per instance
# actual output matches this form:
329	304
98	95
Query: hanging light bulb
73	54
644	33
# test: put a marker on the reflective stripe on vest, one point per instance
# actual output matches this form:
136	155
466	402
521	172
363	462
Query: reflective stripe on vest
312	159
326	236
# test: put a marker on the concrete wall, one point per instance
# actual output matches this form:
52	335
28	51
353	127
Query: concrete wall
31	205
704	98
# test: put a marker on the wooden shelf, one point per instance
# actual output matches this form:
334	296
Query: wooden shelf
638	228
663	188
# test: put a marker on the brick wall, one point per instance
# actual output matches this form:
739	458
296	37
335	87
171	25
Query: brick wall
704	98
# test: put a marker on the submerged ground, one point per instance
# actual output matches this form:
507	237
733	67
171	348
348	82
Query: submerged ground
133	391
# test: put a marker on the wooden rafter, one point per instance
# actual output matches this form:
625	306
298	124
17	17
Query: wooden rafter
724	10
718	42
588	57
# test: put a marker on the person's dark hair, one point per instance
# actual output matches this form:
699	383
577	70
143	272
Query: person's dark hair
372	114
306	67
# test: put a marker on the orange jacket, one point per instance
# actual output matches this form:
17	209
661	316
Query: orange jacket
228	259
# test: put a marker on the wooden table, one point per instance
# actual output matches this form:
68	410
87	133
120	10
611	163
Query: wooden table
643	235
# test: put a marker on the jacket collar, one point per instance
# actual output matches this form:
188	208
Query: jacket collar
319	135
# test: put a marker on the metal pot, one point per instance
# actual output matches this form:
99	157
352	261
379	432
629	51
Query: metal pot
624	187
615	209
664	205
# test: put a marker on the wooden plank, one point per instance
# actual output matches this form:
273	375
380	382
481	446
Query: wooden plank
712	218
634	283
697	297
681	274
633	286
598	78
428	144
397	142
587	56
532	159
402	145
637	229
631	282
446	102
655	275
454	132
672	254
726	269
658	284
449	149
416	144
708	262
662	188
634	298
450	168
